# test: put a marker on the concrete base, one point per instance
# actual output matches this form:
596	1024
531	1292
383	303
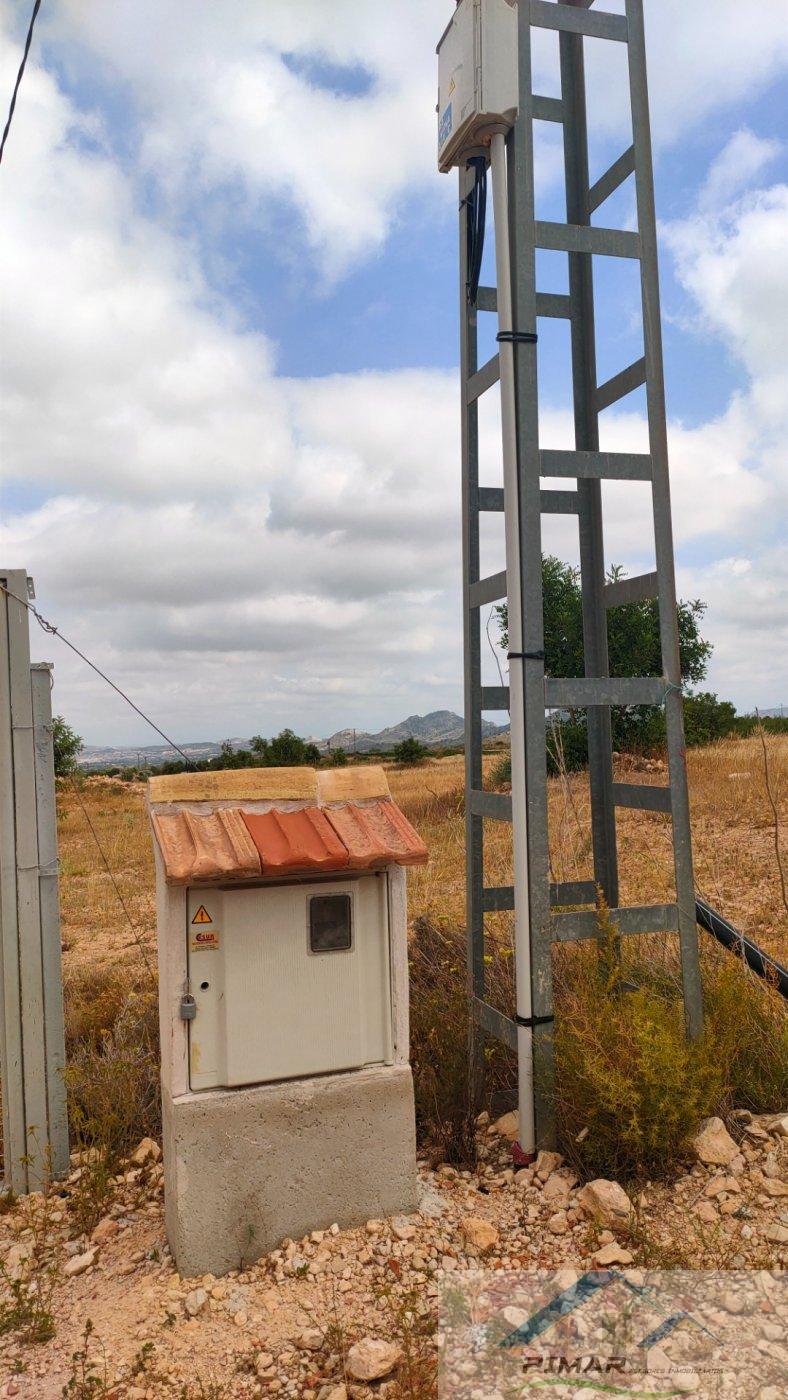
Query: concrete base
244	1168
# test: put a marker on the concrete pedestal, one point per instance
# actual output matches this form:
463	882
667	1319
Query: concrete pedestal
244	1168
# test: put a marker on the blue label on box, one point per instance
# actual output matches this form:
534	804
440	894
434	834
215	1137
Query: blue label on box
444	130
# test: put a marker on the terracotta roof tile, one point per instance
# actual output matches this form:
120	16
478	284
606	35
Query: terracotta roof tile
230	844
210	846
364	845
384	827
289	842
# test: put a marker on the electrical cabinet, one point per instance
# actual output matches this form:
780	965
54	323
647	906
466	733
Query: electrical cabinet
477	75
288	980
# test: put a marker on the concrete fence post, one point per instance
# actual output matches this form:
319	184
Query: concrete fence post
32	1051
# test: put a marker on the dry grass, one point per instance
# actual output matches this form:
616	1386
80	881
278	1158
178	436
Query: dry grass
733	836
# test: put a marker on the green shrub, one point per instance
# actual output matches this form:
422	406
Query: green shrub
410	751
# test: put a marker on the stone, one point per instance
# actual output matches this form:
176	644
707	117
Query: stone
612	1254
606	1202
546	1163
195	1301
714	1145
80	1263
310	1340
557	1187
558	1223
371	1359
776	1234
508	1126
775	1188
105	1230
148	1151
339	1392
779	1126
402	1228
720	1184
706	1212
479	1233
17	1260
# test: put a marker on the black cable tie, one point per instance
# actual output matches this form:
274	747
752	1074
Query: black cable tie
517	338
529	1022
525	656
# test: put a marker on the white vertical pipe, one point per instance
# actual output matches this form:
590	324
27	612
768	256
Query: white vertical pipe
522	925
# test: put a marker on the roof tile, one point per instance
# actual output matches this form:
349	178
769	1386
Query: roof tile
385	823
210	846
289	842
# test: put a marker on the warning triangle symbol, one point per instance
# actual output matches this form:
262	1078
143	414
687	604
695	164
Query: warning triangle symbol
202	916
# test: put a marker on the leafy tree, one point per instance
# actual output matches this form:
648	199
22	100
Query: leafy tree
410	751
337	758
633	629
287	750
67	745
634	650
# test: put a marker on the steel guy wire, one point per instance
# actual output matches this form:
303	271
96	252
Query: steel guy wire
55	632
17	84
111	874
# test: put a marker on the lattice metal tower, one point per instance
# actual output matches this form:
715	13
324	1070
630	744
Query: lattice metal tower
546	913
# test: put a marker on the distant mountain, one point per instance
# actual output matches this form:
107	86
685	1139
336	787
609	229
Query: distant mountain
442	728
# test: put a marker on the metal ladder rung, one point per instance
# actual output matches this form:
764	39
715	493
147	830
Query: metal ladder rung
484	379
578	692
494	1022
643	588
606	185
555	305
496	805
487	590
495	697
596	466
587	238
597	24
559	502
490	498
621	384
642	797
499	899
652	918
547	109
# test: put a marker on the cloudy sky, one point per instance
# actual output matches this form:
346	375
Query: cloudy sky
229	368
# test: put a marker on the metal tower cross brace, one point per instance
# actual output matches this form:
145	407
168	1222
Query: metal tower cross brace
555	912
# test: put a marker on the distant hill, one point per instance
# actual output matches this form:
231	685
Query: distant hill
442	728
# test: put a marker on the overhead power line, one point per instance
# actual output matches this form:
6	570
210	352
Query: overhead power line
17	84
55	632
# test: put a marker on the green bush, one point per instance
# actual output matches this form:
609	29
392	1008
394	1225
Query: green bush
630	1085
410	751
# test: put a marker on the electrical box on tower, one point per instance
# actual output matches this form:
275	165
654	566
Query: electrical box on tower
477	76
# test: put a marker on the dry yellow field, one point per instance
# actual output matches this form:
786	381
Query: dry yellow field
733	826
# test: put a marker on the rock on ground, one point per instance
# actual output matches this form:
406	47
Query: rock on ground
606	1202
480	1233
371	1359
714	1145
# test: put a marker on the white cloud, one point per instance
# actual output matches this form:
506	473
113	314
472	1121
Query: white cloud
244	551
232	103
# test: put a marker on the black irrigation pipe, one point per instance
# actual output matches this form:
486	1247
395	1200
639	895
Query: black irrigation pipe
730	938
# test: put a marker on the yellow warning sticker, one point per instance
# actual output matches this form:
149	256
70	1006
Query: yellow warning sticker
202	916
